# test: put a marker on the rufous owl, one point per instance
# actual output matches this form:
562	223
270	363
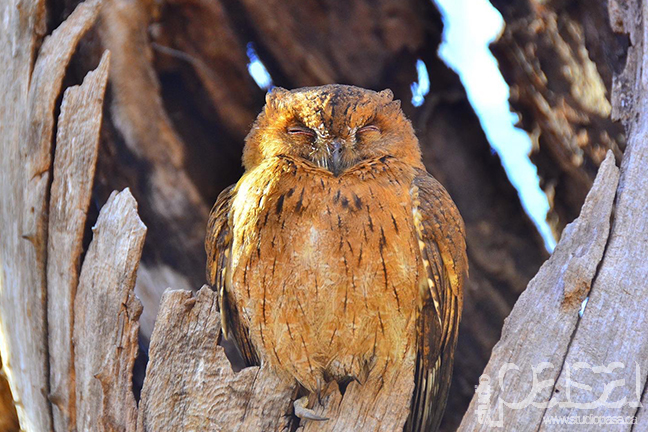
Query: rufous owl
336	256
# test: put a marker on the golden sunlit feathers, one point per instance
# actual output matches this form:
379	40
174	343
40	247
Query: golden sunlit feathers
337	255
333	113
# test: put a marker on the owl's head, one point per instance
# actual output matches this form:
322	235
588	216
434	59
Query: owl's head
333	127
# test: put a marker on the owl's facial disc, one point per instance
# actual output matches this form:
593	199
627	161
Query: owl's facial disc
332	151
334	127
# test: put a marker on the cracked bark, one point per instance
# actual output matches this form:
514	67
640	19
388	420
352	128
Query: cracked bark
32	85
106	310
613	329
77	143
554	295
559	58
189	382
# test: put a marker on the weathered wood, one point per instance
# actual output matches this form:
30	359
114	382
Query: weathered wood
545	317
558	58
30	91
190	385
189	382
77	142
106	314
614	328
600	370
382	404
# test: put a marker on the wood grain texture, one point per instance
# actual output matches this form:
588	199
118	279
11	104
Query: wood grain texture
30	90
545	317
189	383
376	405
613	331
559	58
614	328
77	142
106	314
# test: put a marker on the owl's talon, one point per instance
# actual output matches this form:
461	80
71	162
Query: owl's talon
306	413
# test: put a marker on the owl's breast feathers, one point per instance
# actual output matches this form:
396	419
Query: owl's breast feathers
326	277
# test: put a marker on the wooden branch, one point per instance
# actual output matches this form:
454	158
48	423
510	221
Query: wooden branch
382	404
77	144
106	314
614	327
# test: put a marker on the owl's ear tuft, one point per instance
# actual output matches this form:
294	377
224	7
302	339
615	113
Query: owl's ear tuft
395	106
387	94
275	95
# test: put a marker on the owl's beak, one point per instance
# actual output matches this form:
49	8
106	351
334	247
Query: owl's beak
335	161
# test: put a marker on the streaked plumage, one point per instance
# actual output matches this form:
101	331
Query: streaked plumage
337	256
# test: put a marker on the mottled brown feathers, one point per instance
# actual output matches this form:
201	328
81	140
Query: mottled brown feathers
336	256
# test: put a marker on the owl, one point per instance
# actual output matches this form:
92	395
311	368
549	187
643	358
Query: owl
336	256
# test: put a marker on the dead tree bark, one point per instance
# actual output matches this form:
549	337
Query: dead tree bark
31	87
600	255
107	310
559	58
77	144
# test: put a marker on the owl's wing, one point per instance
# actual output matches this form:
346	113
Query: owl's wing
442	241
218	244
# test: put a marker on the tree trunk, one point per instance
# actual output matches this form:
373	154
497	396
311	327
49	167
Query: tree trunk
178	104
599	257
559	58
